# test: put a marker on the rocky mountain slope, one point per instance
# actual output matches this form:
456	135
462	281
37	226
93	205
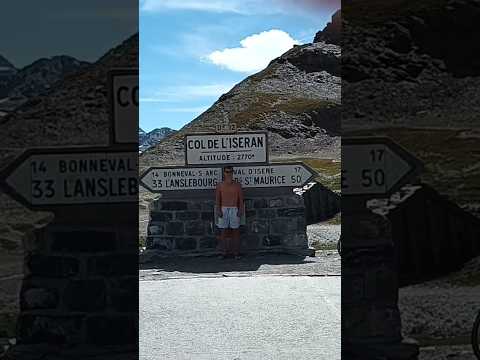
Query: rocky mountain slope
7	72
296	98
20	85
147	140
72	112
411	72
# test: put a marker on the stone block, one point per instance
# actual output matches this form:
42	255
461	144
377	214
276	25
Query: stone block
196	227
111	330
299	239
186	244
294	200
59	330
113	265
273	203
195	205
149	242
291	212
38	297
283	226
175	228
155	229
260	203
123	294
250	242
85	295
53	266
266	213
162	216
209	227
187	215
249	204
258	226
84	241
207	216
163	243
301	223
208	206
208	242
272	240
174	205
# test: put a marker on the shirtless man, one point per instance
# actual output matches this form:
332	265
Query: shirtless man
229	201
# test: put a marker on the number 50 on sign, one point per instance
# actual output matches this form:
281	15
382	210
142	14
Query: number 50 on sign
375	166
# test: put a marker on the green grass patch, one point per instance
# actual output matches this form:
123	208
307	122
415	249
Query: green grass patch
319	246
328	170
472	280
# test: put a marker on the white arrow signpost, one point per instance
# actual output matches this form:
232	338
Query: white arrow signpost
186	178
55	177
375	166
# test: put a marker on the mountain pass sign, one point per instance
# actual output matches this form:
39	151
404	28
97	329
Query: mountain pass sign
160	179
123	98
375	166
51	177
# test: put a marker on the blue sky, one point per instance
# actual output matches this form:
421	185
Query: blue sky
192	51
84	29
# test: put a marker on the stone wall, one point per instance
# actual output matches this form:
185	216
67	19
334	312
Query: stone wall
81	283
272	222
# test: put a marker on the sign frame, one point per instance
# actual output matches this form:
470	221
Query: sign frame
219	164
416	166
145	186
111	103
25	155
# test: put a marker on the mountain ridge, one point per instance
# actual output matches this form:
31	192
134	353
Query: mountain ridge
296	98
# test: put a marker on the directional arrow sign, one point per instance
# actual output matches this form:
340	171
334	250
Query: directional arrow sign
375	166
42	178
160	179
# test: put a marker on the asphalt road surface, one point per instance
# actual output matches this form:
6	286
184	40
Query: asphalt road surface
240	317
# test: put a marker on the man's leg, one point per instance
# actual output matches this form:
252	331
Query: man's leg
228	241
223	241
236	242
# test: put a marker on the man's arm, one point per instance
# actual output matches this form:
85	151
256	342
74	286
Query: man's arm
240	200
218	200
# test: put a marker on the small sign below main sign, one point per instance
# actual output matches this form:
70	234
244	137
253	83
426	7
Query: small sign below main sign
230	127
238	148
43	178
375	166
185	178
123	94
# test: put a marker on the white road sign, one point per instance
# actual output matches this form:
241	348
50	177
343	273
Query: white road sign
75	178
375	166
185	178
238	148
124	105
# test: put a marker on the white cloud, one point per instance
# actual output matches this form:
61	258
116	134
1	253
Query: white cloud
255	53
186	92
